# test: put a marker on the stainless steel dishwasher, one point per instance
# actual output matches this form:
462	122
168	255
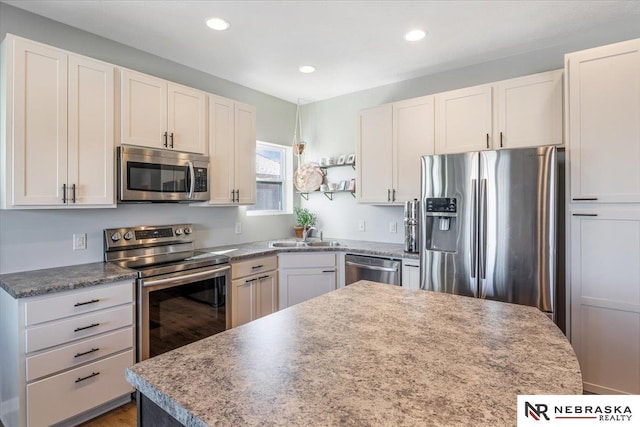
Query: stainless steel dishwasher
381	270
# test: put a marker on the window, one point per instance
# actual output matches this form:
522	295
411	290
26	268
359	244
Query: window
274	191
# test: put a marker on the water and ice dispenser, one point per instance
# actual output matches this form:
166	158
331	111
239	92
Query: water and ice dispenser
441	215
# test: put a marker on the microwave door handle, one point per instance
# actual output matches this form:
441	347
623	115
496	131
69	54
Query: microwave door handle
192	174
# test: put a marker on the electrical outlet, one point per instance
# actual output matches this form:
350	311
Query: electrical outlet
80	242
393	227
361	225
238	227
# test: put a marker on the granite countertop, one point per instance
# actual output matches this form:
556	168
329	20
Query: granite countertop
368	354
40	282
50	280
255	249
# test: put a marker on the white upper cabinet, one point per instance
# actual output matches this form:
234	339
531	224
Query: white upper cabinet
464	120
529	111
232	152
374	154
391	139
58	142
161	114
604	123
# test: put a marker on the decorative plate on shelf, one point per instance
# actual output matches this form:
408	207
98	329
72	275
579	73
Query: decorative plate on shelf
308	177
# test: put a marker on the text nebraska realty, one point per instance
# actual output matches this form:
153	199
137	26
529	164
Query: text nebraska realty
601	413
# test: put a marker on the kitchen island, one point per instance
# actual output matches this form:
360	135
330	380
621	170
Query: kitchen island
368	354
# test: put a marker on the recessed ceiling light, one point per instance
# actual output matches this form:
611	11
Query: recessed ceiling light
218	24
414	35
306	69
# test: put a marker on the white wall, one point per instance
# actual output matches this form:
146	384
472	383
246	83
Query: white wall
41	239
329	127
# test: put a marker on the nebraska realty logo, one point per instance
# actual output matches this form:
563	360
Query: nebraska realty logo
578	410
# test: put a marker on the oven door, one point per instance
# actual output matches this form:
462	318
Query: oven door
147	175
180	308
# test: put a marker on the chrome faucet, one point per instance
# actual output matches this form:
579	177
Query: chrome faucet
306	231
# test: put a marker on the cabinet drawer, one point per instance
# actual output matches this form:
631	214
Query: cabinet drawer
78	353
253	266
71	303
63	331
308	260
62	396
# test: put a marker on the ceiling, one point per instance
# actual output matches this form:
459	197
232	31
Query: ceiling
353	45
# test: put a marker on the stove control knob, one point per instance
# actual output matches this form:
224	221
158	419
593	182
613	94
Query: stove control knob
187	230
116	236
178	231
128	235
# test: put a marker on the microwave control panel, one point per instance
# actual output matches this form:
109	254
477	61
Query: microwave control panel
201	180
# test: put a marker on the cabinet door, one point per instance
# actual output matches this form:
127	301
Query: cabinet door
298	285
605	299
413	137
464	120
187	119
245	153
243	301
39	124
374	155
221	150
91	134
529	111
604	129
411	273
143	110
267	295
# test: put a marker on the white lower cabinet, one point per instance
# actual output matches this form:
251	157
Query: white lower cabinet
64	355
411	273
303	276
605	298
254	289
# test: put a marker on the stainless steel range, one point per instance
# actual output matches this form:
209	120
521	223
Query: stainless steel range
181	292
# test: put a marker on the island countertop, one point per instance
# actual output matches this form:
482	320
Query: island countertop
368	354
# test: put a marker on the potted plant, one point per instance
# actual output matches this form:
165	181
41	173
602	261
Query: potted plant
304	220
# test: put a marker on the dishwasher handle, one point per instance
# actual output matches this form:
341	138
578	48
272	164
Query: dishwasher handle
373	267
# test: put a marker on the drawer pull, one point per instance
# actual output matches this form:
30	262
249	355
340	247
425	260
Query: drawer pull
93	325
584	199
257	266
328	271
263	277
93	374
78	304
251	280
584	214
93	350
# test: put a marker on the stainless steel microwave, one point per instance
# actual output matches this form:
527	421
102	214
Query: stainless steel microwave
154	175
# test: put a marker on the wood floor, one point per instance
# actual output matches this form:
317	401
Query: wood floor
120	417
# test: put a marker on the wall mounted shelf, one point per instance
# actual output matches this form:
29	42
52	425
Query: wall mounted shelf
328	194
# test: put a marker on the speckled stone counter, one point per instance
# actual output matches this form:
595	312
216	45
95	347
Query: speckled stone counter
256	249
39	282
368	354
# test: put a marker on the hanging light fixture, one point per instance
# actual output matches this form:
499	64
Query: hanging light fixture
298	143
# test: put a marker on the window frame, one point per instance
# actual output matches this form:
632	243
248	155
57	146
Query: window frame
286	180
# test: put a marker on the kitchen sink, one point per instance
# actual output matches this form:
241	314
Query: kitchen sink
294	244
288	244
327	244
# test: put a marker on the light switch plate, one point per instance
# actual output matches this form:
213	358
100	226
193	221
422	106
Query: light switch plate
361	225
393	227
238	227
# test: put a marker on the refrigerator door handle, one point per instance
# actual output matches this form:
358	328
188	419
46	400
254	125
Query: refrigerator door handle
483	230
474	227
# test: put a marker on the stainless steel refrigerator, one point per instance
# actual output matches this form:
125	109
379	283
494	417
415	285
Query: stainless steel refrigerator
488	225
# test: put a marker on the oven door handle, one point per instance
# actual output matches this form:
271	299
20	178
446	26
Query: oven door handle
192	175
184	279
